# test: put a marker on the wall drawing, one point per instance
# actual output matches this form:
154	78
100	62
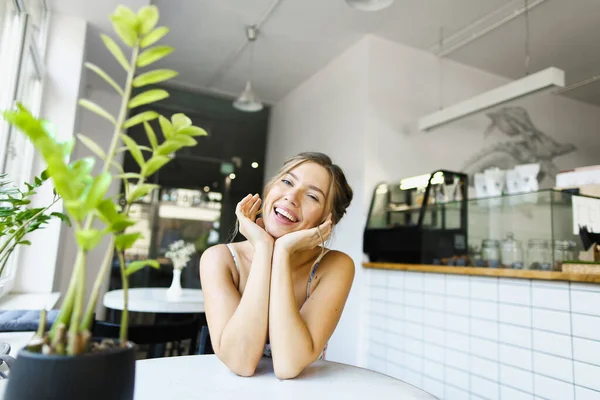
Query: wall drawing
524	144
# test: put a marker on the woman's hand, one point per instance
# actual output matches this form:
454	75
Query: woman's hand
253	229
305	239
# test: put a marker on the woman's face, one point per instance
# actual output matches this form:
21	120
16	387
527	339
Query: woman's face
297	201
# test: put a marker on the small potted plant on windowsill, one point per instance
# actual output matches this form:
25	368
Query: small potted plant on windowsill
66	363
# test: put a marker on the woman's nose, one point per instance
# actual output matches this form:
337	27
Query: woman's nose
292	196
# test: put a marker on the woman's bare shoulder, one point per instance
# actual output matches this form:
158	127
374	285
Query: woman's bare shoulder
337	259
217	257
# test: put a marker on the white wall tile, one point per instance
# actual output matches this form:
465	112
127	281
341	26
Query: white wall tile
457	341
435	283
395	371
515	293
378	335
582	393
484	309
453	393
484	329
585	302
457	359
513	394
485	368
545	297
457	323
516	335
433	386
395	325
457	305
484	388
586	326
592	287
516	356
434	335
395	295
457	378
379	277
587	350
433	370
552	389
413	314
434	301
484	288
552	366
413	378
553	321
376	364
413	330
517	378
413	362
413	346
378	293
435	353
394	355
433	318
484	348
378	321
414	299
377	350
457	285
395	280
587	375
413	281
552	343
515	314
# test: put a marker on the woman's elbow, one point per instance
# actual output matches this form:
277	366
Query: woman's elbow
286	371
241	367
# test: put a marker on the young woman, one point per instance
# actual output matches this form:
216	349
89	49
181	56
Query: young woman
280	293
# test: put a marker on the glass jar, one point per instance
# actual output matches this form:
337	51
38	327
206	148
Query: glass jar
490	253
564	250
539	255
512	253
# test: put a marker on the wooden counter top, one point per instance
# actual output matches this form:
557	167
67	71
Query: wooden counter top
500	272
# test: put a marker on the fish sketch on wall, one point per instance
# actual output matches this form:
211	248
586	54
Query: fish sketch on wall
526	145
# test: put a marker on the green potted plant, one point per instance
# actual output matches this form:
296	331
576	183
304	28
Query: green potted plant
65	363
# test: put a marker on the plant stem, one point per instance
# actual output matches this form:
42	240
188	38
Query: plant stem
88	318
74	346
125	313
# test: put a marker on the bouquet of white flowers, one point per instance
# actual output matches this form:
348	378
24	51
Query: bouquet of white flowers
179	253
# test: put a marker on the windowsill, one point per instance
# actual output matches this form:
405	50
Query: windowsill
497	272
29	301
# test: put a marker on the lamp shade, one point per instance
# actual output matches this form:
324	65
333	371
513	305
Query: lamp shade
247	101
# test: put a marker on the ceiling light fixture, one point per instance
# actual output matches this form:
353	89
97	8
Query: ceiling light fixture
369	5
547	80
248	101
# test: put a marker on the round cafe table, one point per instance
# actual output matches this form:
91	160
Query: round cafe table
154	300
205	377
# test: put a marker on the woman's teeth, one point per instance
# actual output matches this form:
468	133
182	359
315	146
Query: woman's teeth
285	214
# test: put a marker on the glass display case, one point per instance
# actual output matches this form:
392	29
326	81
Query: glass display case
535	231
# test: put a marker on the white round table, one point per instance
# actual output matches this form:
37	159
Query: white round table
154	300
205	377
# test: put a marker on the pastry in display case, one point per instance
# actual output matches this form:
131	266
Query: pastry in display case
421	220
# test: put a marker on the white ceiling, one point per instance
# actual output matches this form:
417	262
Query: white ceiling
301	36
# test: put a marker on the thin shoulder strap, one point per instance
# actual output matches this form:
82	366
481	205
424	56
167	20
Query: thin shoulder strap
235	261
314	270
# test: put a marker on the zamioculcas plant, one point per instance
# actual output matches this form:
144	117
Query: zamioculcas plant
85	194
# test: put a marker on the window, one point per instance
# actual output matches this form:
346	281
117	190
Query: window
23	32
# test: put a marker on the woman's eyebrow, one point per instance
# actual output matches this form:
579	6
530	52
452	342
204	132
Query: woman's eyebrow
313	187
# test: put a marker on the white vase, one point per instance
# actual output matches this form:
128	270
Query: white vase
175	291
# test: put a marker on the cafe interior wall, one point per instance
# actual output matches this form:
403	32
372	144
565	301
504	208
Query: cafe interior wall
362	109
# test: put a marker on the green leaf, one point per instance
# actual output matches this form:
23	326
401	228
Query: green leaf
185	140
25	242
151	135
180	121
126	240
116	51
134	150
126	14
141	191
153	54
154	36
129	175
121	223
82	167
166	127
98	190
108	210
89	238
139	118
147	18
126	32
150	77
118	166
149	96
95	108
144	148
100	72
62	217
92	146
154	164
135	266
192	131
168	147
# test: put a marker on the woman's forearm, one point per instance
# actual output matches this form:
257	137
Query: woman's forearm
243	338
292	346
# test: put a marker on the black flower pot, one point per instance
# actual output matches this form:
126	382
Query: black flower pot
108	375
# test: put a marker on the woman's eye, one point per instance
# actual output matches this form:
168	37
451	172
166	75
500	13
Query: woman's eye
286	182
312	196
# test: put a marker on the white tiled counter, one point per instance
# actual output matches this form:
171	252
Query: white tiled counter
470	337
